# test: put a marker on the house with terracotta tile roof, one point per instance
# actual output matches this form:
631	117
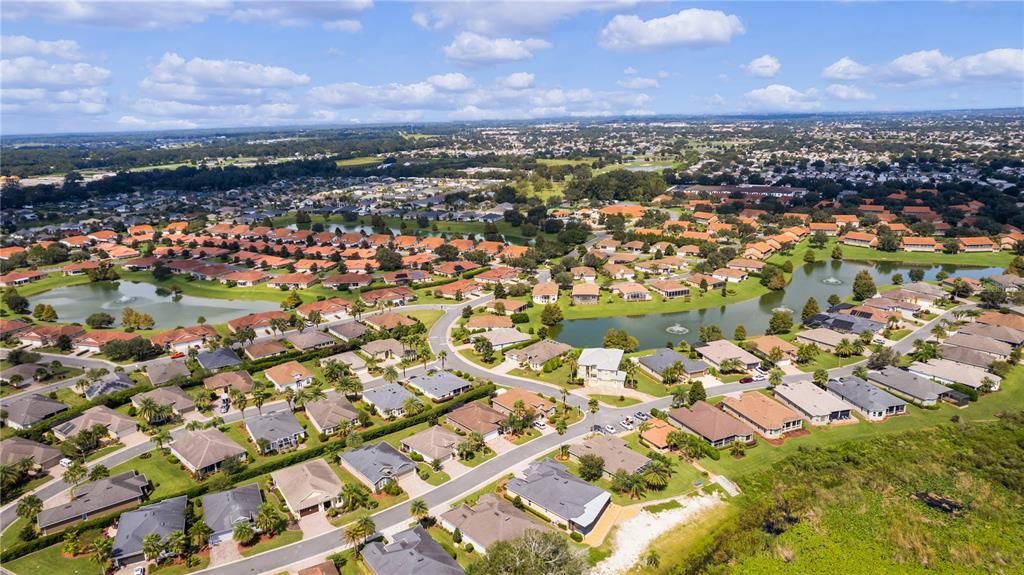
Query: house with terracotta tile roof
859	239
330	309
919	244
297	280
769	418
978	244
184	338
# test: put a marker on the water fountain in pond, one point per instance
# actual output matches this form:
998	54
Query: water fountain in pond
832	281
126	299
781	309
677	329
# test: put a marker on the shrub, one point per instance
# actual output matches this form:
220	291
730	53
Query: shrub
576	536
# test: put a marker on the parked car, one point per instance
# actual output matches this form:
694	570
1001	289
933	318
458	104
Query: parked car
225	406
178	355
641	416
626	424
540	424
747	380
140	570
596	429
760	377
609	429
65	462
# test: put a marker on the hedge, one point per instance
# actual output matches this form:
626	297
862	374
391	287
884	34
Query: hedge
253	471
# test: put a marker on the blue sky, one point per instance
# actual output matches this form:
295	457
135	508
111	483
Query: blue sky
88	66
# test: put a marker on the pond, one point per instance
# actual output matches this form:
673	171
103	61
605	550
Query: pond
818	280
75	303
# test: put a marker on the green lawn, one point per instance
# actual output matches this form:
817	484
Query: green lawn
1011	396
444	538
358	161
179	567
428	317
479	458
989	259
10	535
434	478
613	305
528	435
826	361
282	539
52	562
557	377
167	478
615	400
102	452
69	396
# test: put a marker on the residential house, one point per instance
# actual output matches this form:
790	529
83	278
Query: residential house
535	355
997	349
663	358
434	443
870	401
172	396
475	417
328	415
720	351
824	338
656	434
485	322
291	374
161	518
47	335
510	306
204	450
216	359
502	338
166	372
388	400
377	464
440	385
977	244
630	291
24	412
279	429
110	383
860	239
711	424
308	487
615	453
113	493
388	321
490	520
117	424
228	380
16	449
410	552
310	339
223	510
816	405
585	294
259	322
505	403
920	244
545	293
332	309
950	372
549	489
182	339
766	344
669	289
348	331
599	366
919	390
769	418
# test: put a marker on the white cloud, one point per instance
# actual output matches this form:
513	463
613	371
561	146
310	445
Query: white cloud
517	81
395	96
638	83
715	101
27	71
766	66
173	69
472	48
848	92
25	46
664	74
497	17
129	121
452	82
781	98
998	63
133	14
344	25
845	69
920	65
629	70
690	27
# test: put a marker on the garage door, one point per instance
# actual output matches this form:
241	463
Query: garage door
308	511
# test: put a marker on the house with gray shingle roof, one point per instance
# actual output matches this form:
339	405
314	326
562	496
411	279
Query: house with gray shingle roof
870	401
162	373
161	518
377	465
279	428
117	424
388	400
204	450
94	498
110	383
410	552
440	385
548	488
14	449
921	391
663	358
225	509
218	359
24	412
329	414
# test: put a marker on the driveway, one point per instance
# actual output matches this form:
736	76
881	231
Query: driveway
224	552
501	445
455	468
314	524
414	486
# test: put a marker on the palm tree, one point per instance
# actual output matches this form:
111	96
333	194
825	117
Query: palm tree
177	543
243	532
199	534
350	386
594	405
102	547
636	485
657	474
74	474
152	546
161	437
442	355
238	400
357	533
390	374
268	520
354	496
731	364
148	408
29	508
289	396
411	406
259	397
418	509
844	348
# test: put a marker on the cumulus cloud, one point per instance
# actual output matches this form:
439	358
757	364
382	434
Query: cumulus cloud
638	83
629	70
344	25
848	92
121	14
31	72
173	69
766	66
781	98
472	48
135	122
333	15
690	27
499	17
845	69
998	63
516	81
920	65
452	82
25	46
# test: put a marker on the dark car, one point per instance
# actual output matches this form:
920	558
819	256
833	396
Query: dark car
747	380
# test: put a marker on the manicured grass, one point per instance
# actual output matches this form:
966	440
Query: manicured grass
526	436
616	401
479	457
826	360
358	161
988	259
900	334
280	540
473	497
1010	397
428	317
613	305
69	396
465	558
557	377
434	478
179	567
10	535
102	452
52	562
167	478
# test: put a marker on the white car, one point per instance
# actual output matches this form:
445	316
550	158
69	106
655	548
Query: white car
65	462
626	424
609	429
539	424
141	570
760	377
